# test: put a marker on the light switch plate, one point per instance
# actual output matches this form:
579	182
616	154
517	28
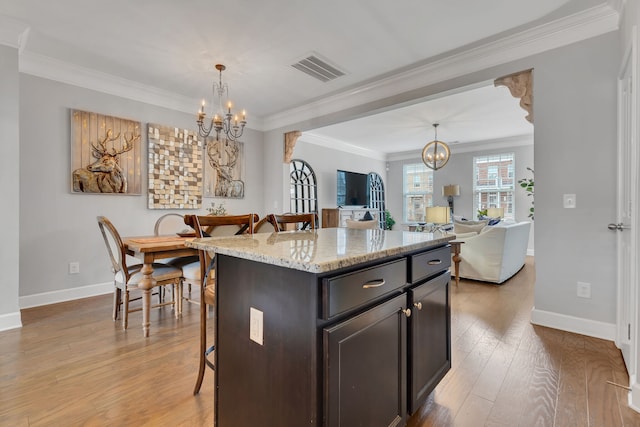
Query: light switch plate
256	326
569	201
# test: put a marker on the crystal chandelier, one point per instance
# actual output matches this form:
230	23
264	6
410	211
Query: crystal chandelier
436	153
229	124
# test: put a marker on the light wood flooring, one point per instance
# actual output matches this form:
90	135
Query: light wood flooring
70	365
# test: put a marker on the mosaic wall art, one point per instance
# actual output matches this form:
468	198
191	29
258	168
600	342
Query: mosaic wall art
105	154
175	168
224	169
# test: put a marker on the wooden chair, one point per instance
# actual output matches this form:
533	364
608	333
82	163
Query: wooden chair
128	277
293	221
205	225
264	226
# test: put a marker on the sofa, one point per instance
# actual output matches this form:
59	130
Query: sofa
495	253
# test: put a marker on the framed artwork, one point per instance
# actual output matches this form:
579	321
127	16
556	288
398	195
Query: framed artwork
175	168
105	154
224	169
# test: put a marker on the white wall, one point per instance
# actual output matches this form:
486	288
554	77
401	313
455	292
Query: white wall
9	177
58	227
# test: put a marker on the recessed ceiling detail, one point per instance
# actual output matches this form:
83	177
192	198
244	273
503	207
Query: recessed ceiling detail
317	68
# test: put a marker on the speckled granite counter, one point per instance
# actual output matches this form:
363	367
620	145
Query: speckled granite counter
321	250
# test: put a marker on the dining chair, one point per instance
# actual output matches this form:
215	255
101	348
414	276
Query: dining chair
126	278
264	226
204	274
287	222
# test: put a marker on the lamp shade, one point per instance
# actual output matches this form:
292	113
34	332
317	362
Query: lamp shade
495	212
437	215
451	190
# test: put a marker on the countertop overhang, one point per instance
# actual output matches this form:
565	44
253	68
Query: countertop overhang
321	250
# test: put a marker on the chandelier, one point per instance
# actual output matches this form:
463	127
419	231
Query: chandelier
226	122
436	153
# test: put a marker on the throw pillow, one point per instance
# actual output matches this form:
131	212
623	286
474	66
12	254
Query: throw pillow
468	226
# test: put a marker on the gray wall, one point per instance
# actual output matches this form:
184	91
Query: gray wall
575	125
326	161
459	170
9	177
57	226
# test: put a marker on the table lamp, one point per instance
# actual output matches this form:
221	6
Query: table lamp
495	212
437	215
451	191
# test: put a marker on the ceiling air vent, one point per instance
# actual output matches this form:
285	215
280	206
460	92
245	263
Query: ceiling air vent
316	67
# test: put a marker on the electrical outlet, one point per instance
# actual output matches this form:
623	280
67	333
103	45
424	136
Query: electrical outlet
569	201
74	267
256	326
583	290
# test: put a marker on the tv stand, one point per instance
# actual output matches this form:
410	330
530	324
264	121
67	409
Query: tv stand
338	217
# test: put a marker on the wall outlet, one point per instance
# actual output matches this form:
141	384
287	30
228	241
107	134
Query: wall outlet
74	267
569	201
256	326
583	290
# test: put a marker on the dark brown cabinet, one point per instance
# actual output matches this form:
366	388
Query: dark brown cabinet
339	348
429	338
365	368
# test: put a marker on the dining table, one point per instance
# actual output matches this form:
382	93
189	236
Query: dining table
149	249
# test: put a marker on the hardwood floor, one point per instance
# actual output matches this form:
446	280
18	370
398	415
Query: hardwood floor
71	365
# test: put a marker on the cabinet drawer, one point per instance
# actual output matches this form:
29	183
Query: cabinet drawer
429	263
351	290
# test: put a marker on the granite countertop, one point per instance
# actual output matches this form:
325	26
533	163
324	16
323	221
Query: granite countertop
321	250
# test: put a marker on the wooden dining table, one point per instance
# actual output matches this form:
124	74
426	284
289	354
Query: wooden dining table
148	249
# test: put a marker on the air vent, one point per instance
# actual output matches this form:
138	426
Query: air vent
316	67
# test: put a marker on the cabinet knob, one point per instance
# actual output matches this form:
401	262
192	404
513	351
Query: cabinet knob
418	305
406	311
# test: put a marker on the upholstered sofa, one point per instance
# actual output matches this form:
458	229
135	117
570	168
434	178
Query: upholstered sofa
495	253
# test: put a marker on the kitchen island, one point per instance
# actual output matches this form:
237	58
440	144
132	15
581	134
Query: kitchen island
331	327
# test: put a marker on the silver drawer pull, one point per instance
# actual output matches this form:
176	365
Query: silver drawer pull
406	311
435	262
373	284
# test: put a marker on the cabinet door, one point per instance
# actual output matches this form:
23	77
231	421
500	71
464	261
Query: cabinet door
365	368
430	338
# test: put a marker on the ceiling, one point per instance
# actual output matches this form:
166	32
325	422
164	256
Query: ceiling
170	48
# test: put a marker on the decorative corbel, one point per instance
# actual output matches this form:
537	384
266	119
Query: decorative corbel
290	139
520	86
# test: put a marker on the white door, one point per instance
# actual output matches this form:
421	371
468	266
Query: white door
625	227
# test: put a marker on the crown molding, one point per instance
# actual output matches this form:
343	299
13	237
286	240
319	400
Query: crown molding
339	145
13	33
470	147
573	28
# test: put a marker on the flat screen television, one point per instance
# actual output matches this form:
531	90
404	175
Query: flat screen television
352	189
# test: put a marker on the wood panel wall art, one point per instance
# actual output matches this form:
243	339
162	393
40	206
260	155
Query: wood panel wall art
175	168
224	170
105	154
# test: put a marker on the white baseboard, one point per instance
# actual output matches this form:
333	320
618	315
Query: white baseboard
530	252
578	325
10	321
63	295
634	397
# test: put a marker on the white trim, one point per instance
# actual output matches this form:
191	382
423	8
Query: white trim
531	252
589	23
13	33
577	325
53	297
339	145
633	398
10	321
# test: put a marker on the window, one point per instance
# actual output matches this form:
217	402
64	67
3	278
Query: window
303	187
417	191
494	184
376	196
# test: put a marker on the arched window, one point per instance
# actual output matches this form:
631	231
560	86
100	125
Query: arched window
304	187
376	196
